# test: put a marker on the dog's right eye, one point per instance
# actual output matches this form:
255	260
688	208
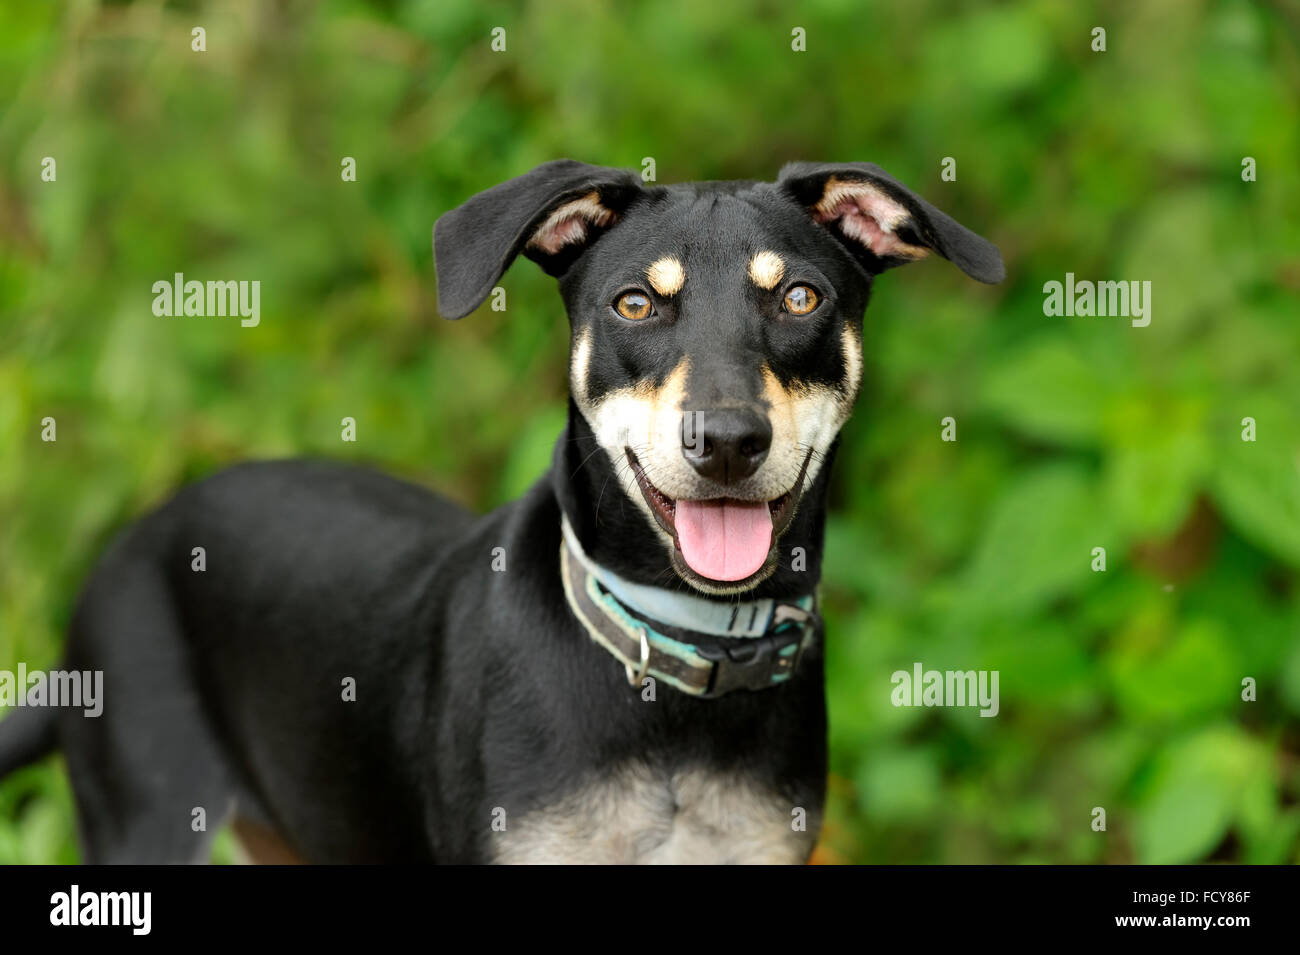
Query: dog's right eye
800	300
634	305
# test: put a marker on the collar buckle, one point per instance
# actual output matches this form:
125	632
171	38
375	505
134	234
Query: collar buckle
757	663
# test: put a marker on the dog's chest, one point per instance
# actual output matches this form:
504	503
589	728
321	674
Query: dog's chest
636	815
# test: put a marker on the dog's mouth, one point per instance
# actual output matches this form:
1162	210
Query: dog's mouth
723	539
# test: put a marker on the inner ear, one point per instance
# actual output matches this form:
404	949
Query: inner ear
866	214
569	224
881	222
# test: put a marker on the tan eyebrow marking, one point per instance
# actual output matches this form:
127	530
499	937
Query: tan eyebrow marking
766	269
666	275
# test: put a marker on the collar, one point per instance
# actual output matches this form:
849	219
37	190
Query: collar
701	647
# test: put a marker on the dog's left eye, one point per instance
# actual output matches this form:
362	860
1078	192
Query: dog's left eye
634	305
800	300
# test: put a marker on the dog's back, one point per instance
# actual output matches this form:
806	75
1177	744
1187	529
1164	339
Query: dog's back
234	671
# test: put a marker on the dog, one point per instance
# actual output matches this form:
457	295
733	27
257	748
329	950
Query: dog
624	665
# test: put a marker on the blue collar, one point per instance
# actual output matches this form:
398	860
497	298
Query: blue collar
702	647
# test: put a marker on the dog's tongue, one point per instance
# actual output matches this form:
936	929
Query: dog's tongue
724	540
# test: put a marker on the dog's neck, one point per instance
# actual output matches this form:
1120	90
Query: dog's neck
615	533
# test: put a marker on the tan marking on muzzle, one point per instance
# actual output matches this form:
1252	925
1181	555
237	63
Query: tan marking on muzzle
852	365
645	418
666	276
766	269
641	416
578	365
805	418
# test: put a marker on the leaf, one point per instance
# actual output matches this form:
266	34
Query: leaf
1159	465
1185	821
1257	483
899	786
989	52
1047	391
1037	544
1199	785
1196	672
1173	246
1290	678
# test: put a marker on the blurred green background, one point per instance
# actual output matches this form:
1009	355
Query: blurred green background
1119	689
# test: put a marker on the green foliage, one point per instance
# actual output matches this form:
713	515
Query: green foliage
1120	689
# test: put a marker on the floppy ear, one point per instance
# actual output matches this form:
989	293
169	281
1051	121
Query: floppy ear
882	222
551	214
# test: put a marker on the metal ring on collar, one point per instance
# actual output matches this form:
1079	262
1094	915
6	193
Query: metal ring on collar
635	678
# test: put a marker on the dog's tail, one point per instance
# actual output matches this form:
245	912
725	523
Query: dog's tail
26	734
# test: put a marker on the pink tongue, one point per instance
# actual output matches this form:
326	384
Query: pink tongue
724	540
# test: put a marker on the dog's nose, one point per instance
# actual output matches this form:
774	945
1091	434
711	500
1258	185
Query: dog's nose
725	444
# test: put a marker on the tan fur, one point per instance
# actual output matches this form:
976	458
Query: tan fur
569	223
579	362
804	418
872	202
766	269
646	419
649	421
259	845
852	349
666	276
636	815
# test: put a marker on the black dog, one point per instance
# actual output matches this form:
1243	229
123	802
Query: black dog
624	665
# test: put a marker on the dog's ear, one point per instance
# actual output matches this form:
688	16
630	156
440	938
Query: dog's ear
883	223
551	214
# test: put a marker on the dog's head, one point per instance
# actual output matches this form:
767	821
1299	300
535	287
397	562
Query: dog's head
716	332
